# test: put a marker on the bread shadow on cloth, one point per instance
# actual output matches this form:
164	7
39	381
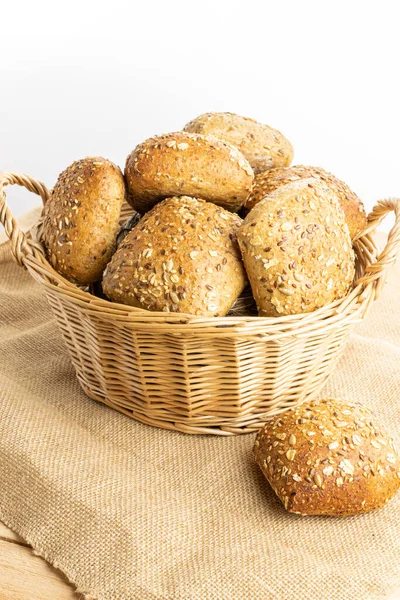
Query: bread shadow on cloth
265	493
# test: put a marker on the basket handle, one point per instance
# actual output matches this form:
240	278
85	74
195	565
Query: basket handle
21	244
376	272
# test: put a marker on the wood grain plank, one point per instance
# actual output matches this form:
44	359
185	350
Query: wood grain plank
8	535
24	576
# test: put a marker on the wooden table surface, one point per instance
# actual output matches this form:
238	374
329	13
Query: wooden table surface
24	576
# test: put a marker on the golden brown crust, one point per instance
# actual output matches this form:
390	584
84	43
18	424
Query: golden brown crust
328	457
263	146
81	218
186	164
296	249
183	257
269	181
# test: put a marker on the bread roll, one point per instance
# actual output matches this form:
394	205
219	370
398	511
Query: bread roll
182	256
81	219
328	457
267	182
185	164
296	249
263	146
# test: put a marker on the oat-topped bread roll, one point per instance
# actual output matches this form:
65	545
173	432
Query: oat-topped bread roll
263	146
81	218
187	164
328	457
267	182
182	256
296	249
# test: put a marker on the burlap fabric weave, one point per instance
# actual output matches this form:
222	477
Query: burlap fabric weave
132	512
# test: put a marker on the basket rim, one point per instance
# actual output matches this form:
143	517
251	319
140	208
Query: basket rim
336	310
371	268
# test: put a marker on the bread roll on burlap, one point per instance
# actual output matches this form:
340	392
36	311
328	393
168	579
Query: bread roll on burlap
328	457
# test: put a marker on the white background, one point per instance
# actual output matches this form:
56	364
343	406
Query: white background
95	78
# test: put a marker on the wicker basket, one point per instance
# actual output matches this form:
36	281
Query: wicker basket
223	375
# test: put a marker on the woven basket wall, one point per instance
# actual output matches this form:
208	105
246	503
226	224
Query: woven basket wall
223	375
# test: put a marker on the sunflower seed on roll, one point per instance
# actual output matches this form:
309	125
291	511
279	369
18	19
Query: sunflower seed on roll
183	257
263	146
296	249
267	182
187	164
328	457
81	219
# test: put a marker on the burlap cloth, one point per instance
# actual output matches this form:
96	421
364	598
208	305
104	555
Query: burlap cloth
132	512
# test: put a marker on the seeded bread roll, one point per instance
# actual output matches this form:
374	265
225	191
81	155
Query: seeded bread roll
328	457
296	249
185	164
267	182
81	219
263	146
182	256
